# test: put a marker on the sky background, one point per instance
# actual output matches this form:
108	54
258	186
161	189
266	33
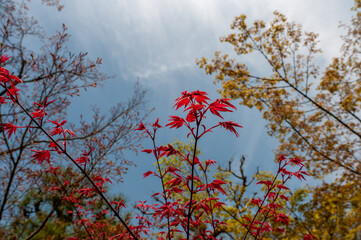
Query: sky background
156	42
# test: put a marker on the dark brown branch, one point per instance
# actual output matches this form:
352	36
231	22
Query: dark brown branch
42	224
303	94
314	148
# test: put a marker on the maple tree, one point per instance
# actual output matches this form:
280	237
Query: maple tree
187	215
55	73
314	114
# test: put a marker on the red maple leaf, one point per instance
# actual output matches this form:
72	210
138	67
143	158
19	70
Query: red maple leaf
189	97
4	58
58	129
174	182
256	201
309	237
156	124
226	102
268	183
169	150
148	173
217	106
183	100
41	156
216	184
297	161
9	128
280	186
176	122
140	127
147	150
229	125
13	92
200	96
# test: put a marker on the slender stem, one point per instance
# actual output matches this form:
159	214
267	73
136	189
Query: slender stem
161	178
33	234
192	185
210	202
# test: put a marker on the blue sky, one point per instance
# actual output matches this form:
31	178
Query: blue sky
156	43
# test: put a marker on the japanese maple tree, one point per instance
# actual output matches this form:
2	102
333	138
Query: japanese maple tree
52	76
187	215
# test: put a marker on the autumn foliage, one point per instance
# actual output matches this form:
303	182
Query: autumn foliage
56	175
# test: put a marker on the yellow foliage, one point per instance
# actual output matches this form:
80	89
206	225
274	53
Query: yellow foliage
314	113
334	212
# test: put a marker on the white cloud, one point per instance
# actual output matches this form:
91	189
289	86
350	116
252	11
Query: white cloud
142	37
